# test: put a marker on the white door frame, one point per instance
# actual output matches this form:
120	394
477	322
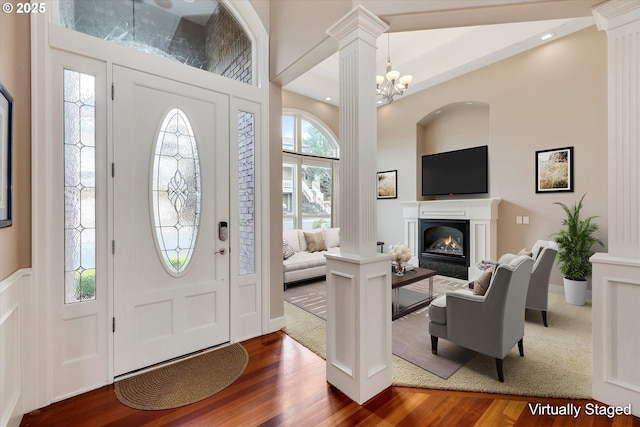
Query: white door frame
41	384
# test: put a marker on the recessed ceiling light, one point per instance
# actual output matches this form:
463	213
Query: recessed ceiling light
328	98
547	36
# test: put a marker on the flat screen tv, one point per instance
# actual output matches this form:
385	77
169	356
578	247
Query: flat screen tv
456	172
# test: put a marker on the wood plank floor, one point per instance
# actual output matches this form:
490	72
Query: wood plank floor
284	385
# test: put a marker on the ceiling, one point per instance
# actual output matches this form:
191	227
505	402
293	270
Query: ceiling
435	56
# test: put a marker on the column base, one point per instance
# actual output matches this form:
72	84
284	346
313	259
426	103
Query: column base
359	325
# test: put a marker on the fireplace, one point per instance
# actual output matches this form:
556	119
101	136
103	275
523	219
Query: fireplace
444	246
475	219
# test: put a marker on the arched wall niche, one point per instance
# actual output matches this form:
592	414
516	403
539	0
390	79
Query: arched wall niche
454	126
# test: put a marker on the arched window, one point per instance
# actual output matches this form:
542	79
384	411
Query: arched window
309	172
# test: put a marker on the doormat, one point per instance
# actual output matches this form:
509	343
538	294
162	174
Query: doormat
184	382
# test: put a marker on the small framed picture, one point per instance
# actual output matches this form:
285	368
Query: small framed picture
387	184
6	118
554	170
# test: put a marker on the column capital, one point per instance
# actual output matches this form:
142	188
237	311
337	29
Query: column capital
616	13
358	23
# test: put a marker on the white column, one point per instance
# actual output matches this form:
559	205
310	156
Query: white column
616	275
359	279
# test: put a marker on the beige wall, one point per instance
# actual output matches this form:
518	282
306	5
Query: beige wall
552	96
299	28
328	114
458	126
15	71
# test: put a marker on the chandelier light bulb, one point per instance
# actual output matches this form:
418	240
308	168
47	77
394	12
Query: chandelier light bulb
393	75
406	80
379	80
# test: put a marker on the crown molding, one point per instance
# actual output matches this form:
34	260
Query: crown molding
358	23
616	13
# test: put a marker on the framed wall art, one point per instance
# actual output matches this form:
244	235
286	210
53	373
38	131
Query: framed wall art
387	184
6	121
554	170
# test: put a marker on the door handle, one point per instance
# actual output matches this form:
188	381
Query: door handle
222	251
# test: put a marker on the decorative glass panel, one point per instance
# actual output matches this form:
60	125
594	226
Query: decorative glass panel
175	185
246	188
201	34
79	187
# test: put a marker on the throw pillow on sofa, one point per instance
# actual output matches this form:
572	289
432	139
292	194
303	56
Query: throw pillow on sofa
332	237
315	241
287	250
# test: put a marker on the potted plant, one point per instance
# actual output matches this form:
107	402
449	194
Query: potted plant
574	250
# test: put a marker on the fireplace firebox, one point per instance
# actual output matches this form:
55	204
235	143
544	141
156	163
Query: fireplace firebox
444	246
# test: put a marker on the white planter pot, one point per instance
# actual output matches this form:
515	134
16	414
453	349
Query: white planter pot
575	291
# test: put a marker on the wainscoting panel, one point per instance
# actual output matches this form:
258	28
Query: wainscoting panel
342	293
622	301
376	322
616	346
11	347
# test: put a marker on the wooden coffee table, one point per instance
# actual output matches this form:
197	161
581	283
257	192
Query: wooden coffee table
405	300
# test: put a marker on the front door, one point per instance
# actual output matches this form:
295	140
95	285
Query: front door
171	214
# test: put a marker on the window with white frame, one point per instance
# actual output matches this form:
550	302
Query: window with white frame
310	159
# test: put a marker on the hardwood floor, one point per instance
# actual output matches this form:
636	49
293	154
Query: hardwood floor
284	385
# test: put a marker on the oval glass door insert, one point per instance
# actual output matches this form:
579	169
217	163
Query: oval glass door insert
175	184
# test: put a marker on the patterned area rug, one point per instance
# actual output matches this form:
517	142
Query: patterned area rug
184	382
410	334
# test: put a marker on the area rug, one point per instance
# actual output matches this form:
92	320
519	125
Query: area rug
557	360
184	382
410	333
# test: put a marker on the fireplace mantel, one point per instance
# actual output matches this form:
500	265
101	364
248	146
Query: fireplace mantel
481	213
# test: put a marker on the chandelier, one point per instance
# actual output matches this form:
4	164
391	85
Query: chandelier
391	84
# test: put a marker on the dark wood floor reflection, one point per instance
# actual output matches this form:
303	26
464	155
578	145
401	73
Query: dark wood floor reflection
284	385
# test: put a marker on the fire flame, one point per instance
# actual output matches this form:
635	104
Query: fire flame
449	243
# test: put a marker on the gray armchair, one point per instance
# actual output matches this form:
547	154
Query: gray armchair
544	254
491	323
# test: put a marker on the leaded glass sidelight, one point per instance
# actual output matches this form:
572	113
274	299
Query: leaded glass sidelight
246	188
175	186
79	187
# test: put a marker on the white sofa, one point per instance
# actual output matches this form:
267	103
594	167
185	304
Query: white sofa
304	264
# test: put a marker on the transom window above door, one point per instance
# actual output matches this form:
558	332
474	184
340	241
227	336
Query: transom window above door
202	34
